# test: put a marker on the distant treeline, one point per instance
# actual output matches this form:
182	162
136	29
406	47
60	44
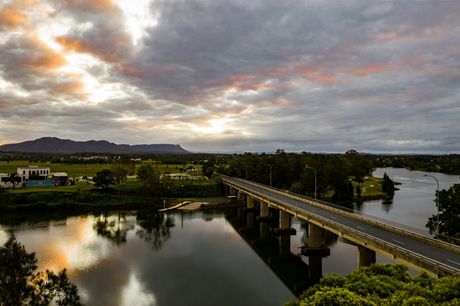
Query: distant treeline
105	158
449	164
295	172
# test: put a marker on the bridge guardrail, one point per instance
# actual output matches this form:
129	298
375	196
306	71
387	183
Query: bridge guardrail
426	239
402	253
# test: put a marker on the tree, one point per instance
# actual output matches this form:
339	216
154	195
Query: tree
208	168
382	285
104	179
119	172
150	179
21	285
449	212
388	185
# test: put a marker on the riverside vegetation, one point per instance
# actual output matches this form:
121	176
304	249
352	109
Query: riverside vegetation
341	178
111	188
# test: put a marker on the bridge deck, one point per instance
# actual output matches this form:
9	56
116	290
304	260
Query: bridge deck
444	257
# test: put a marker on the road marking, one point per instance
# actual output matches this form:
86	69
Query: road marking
333	218
361	228
399	241
457	263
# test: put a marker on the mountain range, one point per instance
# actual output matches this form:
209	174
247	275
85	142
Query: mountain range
65	146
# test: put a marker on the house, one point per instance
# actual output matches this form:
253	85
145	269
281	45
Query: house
35	173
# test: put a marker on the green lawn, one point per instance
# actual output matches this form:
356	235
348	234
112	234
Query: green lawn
75	170
371	187
79	186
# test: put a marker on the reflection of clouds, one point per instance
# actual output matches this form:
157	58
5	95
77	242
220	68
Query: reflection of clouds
135	294
74	246
3	236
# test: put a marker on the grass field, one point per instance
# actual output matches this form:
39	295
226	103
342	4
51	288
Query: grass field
371	187
79	186
75	170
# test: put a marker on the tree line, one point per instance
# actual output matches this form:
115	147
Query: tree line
296	172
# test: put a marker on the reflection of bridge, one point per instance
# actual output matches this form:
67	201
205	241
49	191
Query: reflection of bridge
419	251
274	251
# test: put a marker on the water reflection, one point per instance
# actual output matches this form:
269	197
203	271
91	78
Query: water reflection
134	293
114	228
110	258
154	228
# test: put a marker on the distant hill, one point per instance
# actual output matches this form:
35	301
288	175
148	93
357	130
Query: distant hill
57	145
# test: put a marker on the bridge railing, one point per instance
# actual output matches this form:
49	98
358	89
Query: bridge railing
378	223
423	262
346	209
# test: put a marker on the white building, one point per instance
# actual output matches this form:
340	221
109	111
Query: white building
33	172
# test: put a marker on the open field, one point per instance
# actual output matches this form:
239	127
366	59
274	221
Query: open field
79	186
75	170
371	187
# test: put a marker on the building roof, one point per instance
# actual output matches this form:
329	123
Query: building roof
33	168
59	174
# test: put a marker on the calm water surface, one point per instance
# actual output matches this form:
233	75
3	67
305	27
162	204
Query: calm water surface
196	258
181	260
414	202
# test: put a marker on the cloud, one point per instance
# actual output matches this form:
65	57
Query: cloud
12	18
236	75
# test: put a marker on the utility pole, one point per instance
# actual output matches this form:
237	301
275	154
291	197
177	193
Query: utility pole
270	166
437	203
314	170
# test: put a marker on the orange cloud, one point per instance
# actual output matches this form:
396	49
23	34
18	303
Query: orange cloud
40	58
246	82
307	70
71	88
366	70
118	43
92	5
45	62
12	18
323	79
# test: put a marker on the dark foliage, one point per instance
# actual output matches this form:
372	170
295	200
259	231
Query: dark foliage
21	285
449	213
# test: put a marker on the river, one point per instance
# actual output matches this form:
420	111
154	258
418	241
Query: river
200	258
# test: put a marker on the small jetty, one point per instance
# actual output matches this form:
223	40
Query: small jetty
174	207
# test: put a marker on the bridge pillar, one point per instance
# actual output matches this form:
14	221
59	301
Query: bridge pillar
249	201
285	220
366	257
315	250
284	233
263	219
315	236
263	210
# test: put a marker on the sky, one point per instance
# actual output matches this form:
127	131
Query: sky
234	76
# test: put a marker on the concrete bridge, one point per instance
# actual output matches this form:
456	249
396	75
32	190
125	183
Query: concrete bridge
419	251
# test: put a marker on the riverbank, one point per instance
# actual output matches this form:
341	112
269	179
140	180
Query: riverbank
81	196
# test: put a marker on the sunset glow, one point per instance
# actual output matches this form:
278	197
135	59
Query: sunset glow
237	72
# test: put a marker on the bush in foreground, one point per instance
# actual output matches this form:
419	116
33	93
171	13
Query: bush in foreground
382	285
